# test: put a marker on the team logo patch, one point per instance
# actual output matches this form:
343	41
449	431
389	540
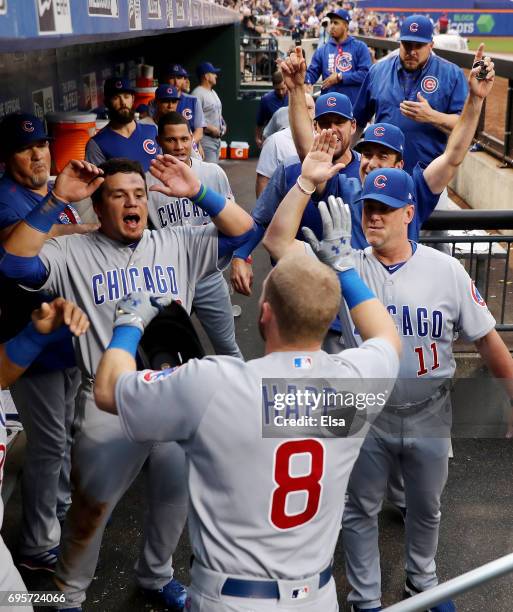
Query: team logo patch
187	114
344	61
429	84
169	90
331	102
379	131
27	126
476	296
303	363
414	27
151	376
118	85
149	146
380	181
301	593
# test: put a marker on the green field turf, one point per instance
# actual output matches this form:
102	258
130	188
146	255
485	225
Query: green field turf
493	44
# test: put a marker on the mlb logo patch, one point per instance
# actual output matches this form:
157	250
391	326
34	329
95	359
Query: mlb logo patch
151	376
301	593
476	296
303	363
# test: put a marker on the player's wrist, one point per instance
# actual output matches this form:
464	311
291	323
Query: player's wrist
126	338
26	346
305	185
209	200
47	213
353	288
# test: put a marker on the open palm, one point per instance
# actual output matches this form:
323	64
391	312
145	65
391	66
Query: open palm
176	178
318	165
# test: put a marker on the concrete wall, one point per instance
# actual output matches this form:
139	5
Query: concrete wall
483	184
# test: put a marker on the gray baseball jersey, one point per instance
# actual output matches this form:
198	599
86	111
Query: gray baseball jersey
95	272
211	105
242	519
173	212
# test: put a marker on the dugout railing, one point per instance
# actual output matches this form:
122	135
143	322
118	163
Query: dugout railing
456	586
472	237
500	148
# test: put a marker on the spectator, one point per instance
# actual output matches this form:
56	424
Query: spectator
212	109
269	104
343	62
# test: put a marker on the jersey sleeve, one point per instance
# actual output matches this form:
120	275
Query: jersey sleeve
93	153
53	256
315	68
271	196
8	215
475	320
268	159
425	199
365	106
199	117
168	404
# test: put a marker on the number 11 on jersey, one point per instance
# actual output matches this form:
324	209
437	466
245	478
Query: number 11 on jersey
422	361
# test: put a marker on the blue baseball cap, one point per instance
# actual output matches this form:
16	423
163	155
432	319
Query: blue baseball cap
18	130
114	86
416	28
184	73
334	103
390	186
142	108
166	92
341	14
175	70
206	67
385	134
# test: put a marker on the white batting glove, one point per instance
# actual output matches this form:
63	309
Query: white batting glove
138	309
335	247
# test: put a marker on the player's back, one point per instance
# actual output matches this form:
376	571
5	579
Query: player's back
271	507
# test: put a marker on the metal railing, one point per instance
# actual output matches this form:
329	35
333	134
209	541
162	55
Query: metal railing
500	148
486	257
456	586
260	54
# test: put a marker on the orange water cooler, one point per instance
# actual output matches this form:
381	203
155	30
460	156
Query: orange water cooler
71	132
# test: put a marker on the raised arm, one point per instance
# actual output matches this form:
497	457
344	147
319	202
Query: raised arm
441	170
50	322
294	70
317	168
178	180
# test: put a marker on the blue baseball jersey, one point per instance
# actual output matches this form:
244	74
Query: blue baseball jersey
387	84
350	59
191	109
16	304
141	146
269	104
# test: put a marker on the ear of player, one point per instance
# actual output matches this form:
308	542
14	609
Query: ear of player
137	309
335	247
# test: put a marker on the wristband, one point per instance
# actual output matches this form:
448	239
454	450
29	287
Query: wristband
354	290
303	189
209	200
249	259
26	346
126	338
46	214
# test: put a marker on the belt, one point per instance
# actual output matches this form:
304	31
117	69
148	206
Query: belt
412	408
263	589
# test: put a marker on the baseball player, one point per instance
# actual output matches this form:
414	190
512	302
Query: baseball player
166	101
343	62
15	357
45	395
413	429
123	136
120	258
417	91
262	534
211	296
188	105
331	110
269	104
215	125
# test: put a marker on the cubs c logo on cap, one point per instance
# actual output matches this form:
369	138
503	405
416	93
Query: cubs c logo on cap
27	126
118	84
187	114
414	27
169	90
429	84
331	102
379	131
149	146
380	181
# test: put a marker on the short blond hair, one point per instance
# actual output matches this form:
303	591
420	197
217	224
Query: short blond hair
304	295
